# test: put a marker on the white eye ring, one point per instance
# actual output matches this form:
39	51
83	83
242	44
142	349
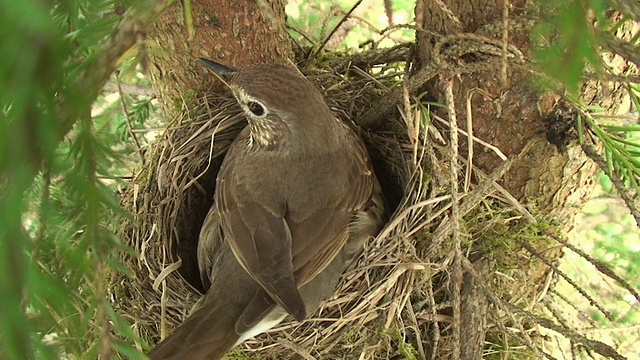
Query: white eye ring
256	108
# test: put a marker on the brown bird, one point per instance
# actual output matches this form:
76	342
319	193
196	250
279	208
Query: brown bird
295	199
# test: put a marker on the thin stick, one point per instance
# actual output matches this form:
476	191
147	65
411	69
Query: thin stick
456	274
476	139
467	174
335	28
125	111
505	42
617	183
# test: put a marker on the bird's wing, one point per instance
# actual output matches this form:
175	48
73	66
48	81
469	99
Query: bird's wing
261	240
209	244
360	179
322	235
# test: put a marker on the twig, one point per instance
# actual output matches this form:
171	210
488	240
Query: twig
456	273
125	111
471	138
317	49
388	10
498	302
570	303
582	292
505	42
617	183
131	89
369	58
450	15
473	198
489	146
620	47
434	314
101	312
629	8
374	116
595	345
611	77
384	33
413	129
602	267
43	212
304	353
398	219
302	33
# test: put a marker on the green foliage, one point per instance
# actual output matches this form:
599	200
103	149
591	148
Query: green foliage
567	39
620	139
138	114
621	145
56	245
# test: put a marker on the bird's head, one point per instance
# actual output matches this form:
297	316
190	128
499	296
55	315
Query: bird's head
277	100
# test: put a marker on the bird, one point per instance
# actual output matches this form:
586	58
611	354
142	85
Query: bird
295	199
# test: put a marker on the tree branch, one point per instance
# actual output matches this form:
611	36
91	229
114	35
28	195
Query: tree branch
91	81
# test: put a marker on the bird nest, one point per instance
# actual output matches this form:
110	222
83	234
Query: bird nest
396	300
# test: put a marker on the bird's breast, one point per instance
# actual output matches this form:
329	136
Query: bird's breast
300	182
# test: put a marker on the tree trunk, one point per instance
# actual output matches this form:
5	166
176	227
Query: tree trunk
507	113
233	33
553	177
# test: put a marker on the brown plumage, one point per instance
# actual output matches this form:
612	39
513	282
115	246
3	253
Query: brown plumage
295	199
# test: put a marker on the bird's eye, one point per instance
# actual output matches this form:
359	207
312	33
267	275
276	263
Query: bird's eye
256	108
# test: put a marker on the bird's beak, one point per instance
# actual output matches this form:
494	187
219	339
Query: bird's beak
222	72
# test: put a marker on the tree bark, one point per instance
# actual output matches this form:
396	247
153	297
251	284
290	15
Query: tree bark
507	114
231	32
